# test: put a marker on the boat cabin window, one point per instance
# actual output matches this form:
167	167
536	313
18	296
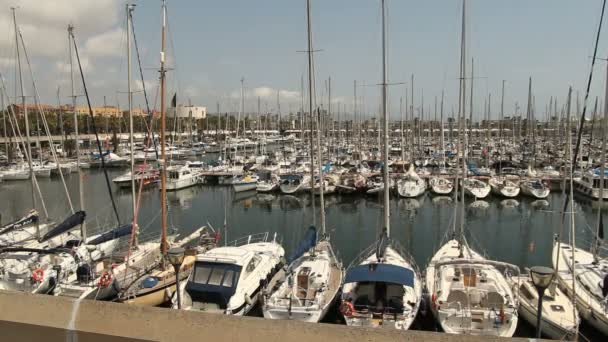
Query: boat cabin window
216	274
173	175
253	263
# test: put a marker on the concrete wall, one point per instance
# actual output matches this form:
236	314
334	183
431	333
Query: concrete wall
26	317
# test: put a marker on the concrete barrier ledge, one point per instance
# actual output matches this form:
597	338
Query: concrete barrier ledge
27	317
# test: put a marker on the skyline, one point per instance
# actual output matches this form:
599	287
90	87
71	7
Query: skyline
212	45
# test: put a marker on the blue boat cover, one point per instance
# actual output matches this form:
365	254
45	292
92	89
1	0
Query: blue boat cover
308	242
149	282
385	273
112	234
74	220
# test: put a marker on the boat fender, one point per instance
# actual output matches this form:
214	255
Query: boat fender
168	294
434	301
105	280
347	308
38	275
248	300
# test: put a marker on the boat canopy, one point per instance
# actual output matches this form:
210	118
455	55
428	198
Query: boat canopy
308	242
385	273
74	220
112	234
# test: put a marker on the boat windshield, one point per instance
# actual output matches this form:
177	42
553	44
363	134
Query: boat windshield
213	282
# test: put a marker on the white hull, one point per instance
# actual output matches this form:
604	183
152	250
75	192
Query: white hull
590	303
476	188
241	187
538	193
461	303
178	184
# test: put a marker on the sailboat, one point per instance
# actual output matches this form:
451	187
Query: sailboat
382	286
468	293
411	185
583	274
314	274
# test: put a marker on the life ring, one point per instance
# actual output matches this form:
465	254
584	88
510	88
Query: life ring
38	275
347	309
106	279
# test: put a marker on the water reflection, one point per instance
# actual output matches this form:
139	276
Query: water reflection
442	200
479	204
509	203
540	204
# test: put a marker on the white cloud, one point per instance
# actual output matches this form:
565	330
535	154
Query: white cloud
268	93
106	44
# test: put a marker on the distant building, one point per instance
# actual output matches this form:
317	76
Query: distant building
194	112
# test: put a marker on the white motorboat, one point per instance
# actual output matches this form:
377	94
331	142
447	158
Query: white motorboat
312	283
245	183
441	185
149	177
382	288
291	184
469	294
590	277
229	280
504	186
475	188
270	184
17	173
181	177
589	185
411	185
534	188
559	319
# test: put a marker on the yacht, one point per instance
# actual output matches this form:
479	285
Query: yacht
475	188
291	184
270	183
469	294
590	277
181	177
441	185
589	184
560	318
229	280
382	287
411	185
312	283
504	186
245	183
148	177
534	188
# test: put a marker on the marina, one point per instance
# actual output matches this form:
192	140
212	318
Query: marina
456	221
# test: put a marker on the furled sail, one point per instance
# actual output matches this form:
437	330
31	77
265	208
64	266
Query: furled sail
76	219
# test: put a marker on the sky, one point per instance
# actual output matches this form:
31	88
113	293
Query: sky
211	45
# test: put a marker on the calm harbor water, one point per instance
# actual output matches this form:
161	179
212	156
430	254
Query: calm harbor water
517	232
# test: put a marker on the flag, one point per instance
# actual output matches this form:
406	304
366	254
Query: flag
174	101
600	232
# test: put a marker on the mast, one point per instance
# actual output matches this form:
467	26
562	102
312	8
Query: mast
129	9
83	227
471	101
596	245
385	172
461	118
27	123
310	95
442	135
163	172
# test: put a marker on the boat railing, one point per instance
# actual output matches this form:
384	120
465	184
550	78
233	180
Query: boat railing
253	238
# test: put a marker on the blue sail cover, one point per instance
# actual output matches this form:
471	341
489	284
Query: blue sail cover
112	234
308	242
385	273
76	219
31	218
